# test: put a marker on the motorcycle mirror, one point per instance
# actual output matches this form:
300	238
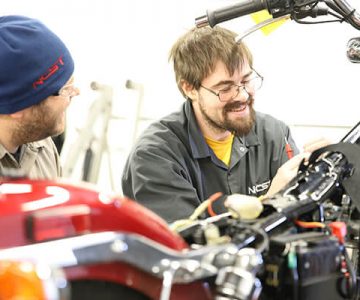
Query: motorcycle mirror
353	50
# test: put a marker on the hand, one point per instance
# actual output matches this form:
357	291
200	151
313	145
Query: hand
285	173
316	144
243	206
289	169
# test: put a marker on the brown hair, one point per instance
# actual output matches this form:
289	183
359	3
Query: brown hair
195	54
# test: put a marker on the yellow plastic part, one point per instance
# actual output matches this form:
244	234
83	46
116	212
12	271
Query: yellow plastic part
263	15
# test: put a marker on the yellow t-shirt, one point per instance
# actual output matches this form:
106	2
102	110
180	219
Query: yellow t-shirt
222	149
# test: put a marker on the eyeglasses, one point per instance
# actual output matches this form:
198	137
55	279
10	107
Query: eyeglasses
68	90
232	91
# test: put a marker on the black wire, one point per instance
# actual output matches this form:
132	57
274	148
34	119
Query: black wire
335	15
341	14
314	5
319	22
247	238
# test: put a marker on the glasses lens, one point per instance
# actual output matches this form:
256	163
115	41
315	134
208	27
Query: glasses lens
254	84
257	82
65	92
229	93
233	91
68	91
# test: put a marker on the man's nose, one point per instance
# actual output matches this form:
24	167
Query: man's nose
242	95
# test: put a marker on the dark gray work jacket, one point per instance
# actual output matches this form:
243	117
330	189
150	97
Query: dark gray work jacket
171	169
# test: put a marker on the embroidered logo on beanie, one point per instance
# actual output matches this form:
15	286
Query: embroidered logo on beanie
35	63
52	70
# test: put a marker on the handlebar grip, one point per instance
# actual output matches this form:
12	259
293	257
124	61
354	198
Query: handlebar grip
229	12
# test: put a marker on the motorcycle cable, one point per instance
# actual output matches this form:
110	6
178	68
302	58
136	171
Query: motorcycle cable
246	234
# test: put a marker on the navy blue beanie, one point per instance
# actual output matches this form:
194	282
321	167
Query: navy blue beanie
34	63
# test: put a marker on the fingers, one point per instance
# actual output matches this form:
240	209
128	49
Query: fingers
290	168
286	172
246	207
293	163
315	144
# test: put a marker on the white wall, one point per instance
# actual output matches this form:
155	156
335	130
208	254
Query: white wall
308	81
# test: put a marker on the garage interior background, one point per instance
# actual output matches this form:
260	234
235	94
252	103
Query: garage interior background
124	45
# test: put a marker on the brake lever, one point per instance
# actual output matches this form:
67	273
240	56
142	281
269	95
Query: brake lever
260	25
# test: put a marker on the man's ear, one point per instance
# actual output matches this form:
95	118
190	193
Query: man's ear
188	89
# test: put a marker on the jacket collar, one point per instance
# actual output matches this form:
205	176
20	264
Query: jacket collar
199	147
251	139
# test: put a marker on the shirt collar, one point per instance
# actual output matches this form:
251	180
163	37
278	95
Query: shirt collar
32	145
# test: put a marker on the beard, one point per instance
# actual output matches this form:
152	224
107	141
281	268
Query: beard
241	126
41	124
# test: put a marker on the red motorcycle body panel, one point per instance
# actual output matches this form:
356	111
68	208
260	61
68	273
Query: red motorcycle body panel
34	211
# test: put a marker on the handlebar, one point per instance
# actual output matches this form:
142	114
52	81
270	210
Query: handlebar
297	9
352	16
229	12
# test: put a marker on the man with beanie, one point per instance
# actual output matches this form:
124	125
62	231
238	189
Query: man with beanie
36	87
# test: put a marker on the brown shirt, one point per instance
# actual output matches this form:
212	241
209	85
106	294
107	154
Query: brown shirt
37	160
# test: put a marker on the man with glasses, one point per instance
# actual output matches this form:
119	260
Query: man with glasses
36	75
216	142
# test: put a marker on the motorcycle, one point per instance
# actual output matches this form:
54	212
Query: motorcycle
303	245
